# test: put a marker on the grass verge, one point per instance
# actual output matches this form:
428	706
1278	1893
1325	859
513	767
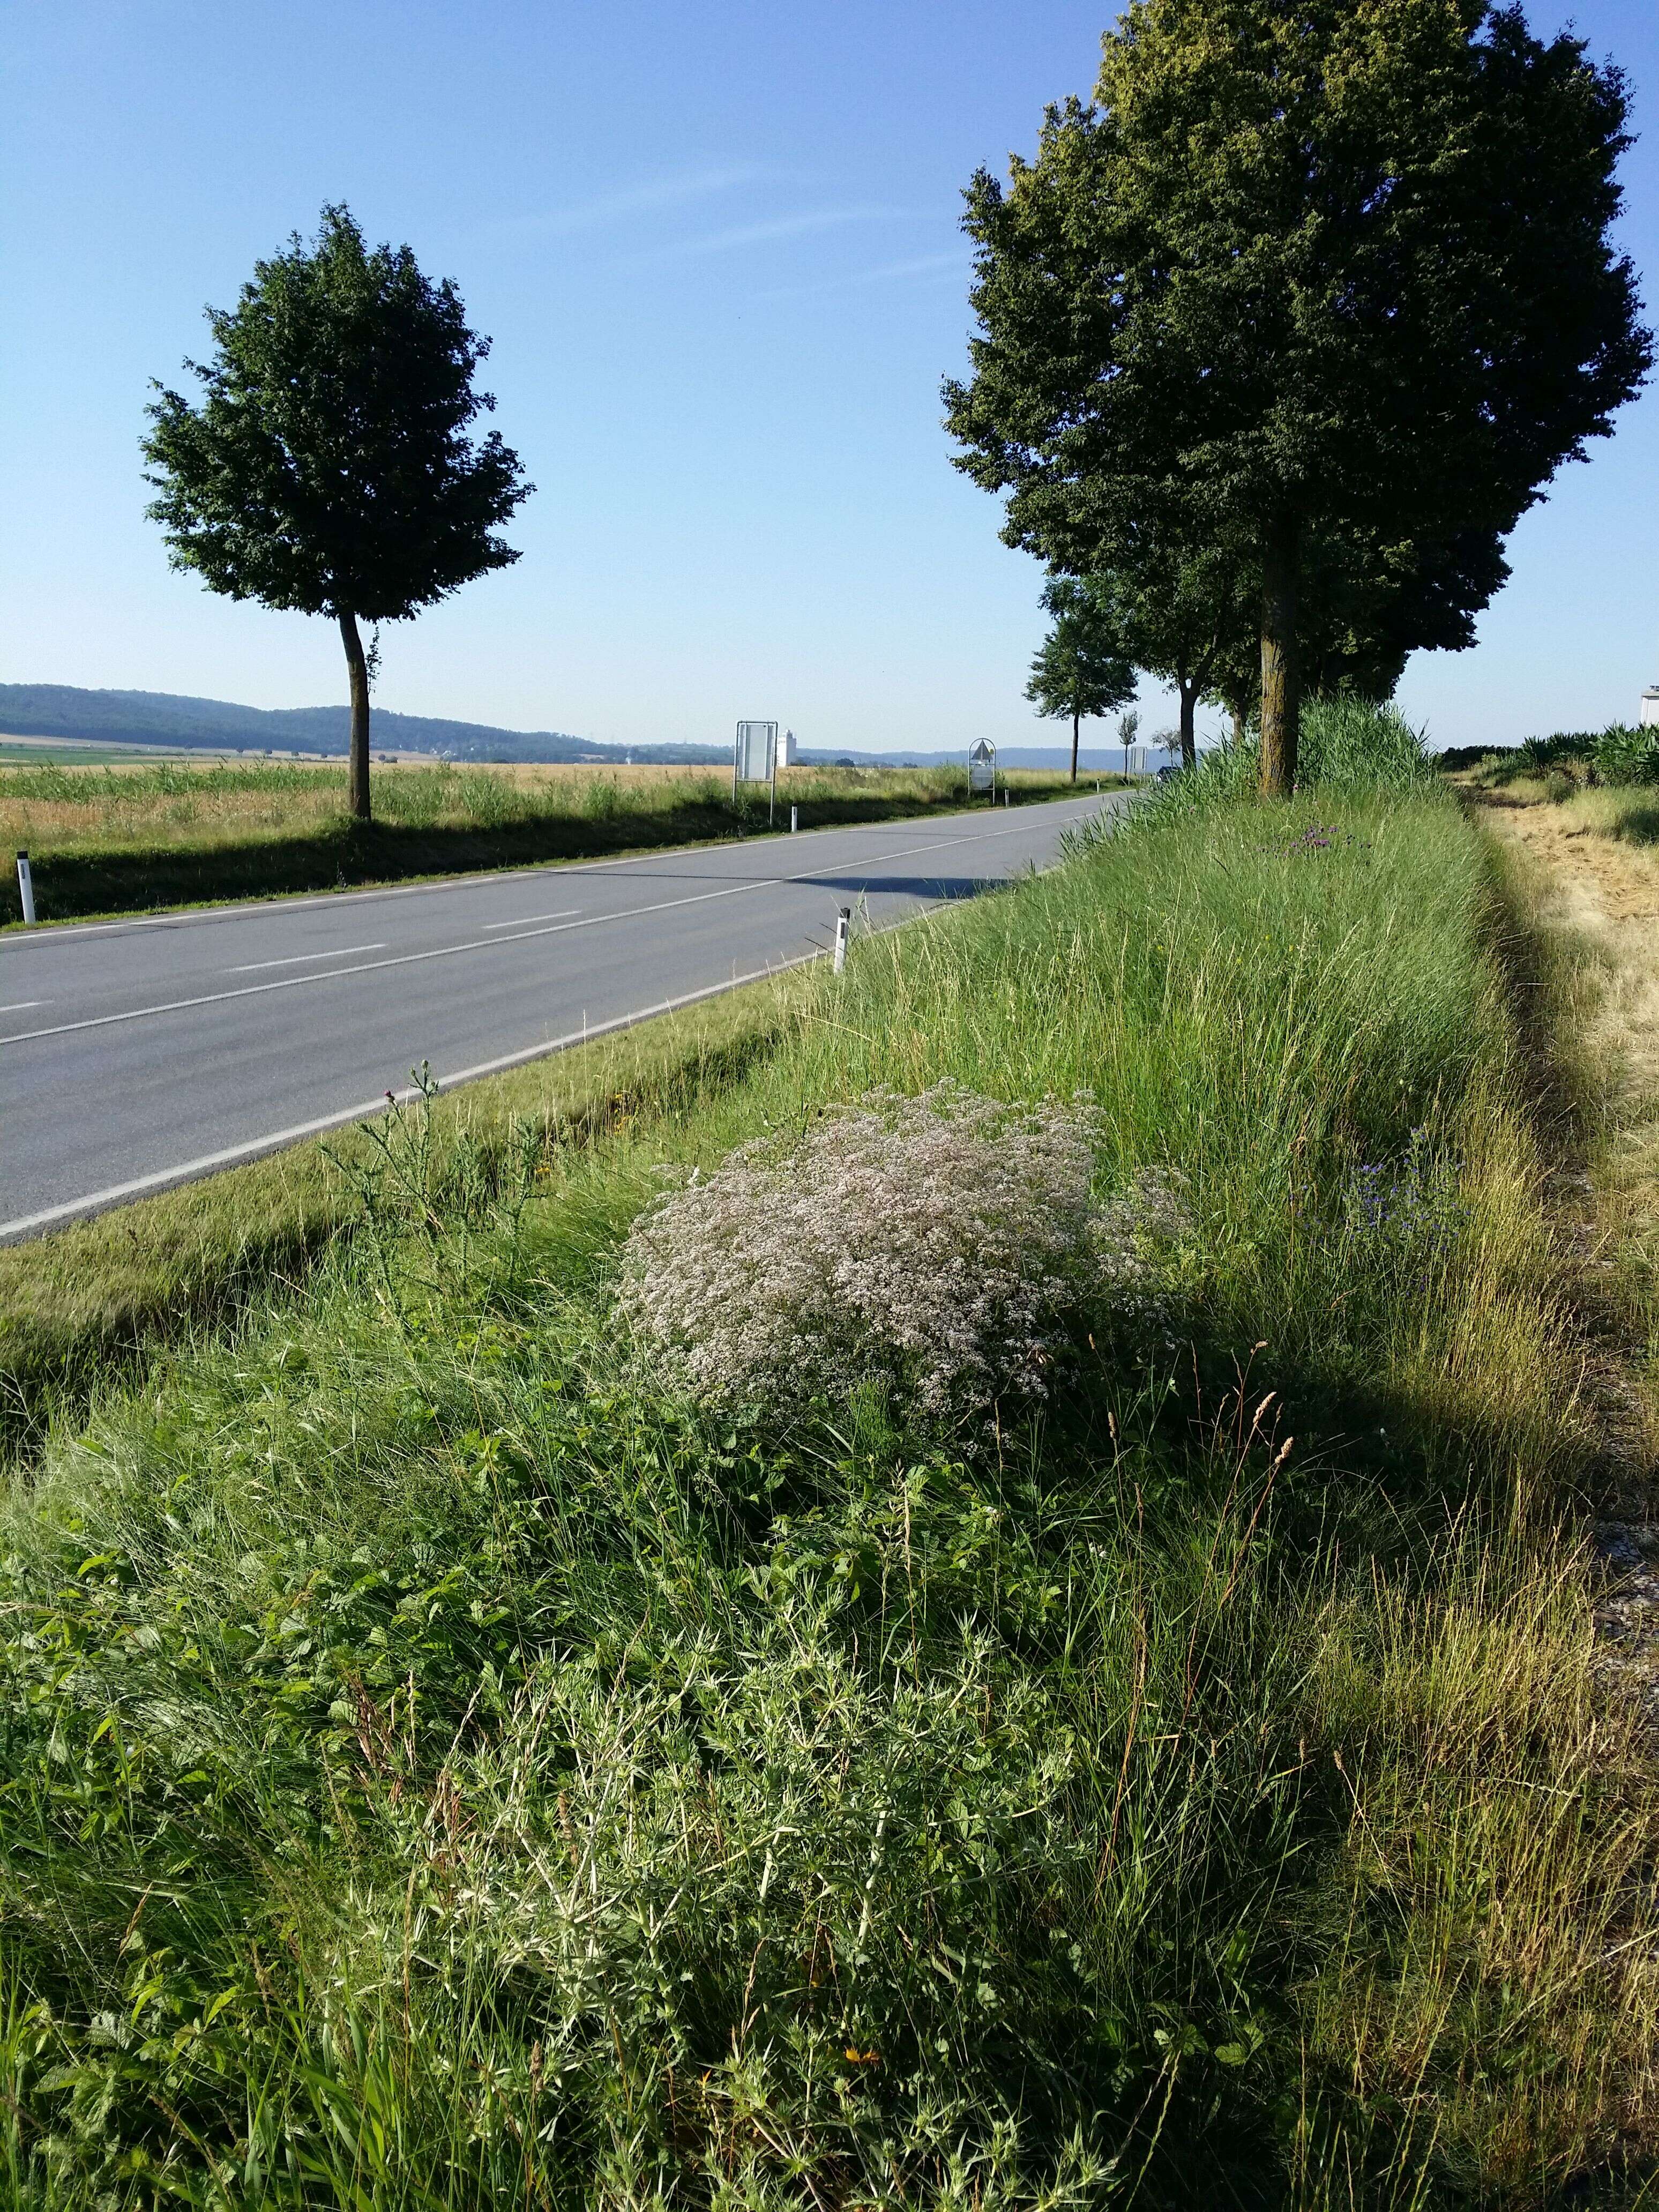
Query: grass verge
442	1767
121	841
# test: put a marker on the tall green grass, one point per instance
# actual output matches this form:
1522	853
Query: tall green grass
440	1768
1348	746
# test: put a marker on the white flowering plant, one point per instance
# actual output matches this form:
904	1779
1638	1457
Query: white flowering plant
940	1246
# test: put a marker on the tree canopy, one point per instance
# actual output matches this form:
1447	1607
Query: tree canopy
328	467
1079	669
1364	607
1179	611
1338	269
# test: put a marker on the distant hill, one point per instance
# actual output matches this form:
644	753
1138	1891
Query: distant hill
170	718
1096	760
164	718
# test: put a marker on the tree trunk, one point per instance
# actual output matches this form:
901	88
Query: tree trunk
358	669
1281	702
1238	725
1076	719
1189	710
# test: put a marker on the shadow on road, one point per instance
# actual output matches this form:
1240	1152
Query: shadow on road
132	881
923	887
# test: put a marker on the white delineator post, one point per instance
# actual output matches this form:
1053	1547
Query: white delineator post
844	923
25	888
794	820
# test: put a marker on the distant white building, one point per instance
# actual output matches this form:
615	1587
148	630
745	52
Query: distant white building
1649	705
786	747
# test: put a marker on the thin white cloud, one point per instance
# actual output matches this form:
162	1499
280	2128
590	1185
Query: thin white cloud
774	228
648	197
924	265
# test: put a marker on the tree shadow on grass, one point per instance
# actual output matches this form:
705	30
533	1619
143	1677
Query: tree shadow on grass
1640	825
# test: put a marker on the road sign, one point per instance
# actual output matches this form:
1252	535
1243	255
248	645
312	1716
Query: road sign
983	766
754	757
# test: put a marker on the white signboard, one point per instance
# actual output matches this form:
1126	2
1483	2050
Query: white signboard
757	752
982	766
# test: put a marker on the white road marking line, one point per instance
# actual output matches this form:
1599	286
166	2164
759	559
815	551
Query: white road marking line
94	1200
23	1006
297	959
487	944
365	967
519	920
179	917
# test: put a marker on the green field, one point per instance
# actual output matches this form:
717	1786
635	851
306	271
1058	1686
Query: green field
449	1765
121	839
34	755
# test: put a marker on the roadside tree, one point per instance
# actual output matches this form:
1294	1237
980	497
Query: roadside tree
1330	267
1364	607
327	468
1178	614
1079	669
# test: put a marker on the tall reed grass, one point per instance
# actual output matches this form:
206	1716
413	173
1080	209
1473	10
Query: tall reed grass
1347	746
445	1766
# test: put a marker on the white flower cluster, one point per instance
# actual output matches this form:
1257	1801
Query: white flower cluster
933	1244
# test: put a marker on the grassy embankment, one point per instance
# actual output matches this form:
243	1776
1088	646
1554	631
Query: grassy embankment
126	839
442	1769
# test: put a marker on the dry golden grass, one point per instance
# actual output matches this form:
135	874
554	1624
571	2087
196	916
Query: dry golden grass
1598	896
1592	897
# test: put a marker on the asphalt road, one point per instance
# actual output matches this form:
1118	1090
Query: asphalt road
134	1054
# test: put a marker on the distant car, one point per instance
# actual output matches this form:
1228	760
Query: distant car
1168	774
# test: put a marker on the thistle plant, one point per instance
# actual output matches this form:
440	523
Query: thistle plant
936	1246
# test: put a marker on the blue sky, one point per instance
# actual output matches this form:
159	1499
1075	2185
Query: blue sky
717	250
